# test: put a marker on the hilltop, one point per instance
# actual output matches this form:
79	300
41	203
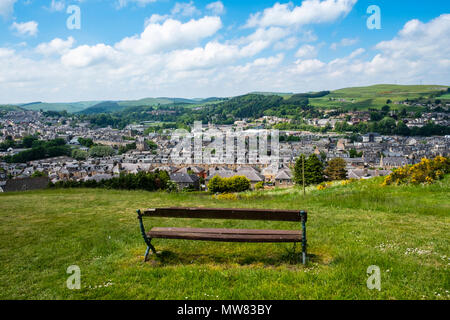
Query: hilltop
403	230
349	98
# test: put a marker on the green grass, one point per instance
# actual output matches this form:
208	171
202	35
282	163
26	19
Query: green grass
8	108
403	230
375	96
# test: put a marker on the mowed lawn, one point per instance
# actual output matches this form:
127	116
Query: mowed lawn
403	230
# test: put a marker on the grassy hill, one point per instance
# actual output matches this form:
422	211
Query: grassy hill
71	107
360	98
375	96
9	108
403	230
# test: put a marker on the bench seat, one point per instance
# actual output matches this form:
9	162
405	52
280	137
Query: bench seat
227	235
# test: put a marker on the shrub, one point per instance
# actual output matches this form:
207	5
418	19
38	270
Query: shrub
226	185
426	171
142	181
226	196
259	185
323	186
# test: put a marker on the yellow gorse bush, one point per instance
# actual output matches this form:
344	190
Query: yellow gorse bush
226	196
426	171
324	185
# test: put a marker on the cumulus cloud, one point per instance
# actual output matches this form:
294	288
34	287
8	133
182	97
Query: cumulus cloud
29	28
308	66
346	42
306	51
186	9
57	5
176	58
309	12
156	18
56	46
7	8
216	8
172	34
84	56
123	3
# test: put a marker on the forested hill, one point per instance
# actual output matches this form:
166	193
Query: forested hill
257	105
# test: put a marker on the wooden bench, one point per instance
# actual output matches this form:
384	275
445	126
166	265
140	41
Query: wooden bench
225	235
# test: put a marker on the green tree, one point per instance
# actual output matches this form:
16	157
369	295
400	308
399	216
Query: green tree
354	154
152	145
298	169
386	109
335	169
78	154
101	151
27	142
86	142
313	170
38	174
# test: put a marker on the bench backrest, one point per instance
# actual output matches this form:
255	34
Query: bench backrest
236	214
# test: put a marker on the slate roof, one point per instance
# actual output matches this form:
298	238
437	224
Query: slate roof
184	178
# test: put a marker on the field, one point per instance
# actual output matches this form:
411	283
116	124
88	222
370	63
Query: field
376	96
403	230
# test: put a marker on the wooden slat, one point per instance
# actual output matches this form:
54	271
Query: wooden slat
228	231
226	235
226	213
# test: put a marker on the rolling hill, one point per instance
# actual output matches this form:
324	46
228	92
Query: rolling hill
360	98
9	108
375	96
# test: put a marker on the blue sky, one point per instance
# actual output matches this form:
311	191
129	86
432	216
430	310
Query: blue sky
129	49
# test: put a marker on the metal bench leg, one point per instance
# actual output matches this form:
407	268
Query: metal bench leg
147	240
304	219
149	247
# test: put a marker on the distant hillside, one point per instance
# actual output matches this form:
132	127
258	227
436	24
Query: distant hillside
103	107
360	98
118	106
9	108
376	96
281	94
71	107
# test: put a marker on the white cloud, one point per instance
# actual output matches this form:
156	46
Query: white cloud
287	44
213	54
309	12
84	56
56	46
7	8
216	8
123	3
57	5
155	18
172	59
172	34
308	66
186	9
357	53
306	51
346	42
29	28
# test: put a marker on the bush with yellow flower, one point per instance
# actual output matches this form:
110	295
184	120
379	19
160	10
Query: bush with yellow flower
426	171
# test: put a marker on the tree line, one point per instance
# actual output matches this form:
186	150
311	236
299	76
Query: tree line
313	171
147	181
